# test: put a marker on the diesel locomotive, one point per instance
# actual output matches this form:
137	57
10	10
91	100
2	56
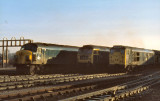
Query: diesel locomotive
39	57
43	58
93	58
125	58
92	55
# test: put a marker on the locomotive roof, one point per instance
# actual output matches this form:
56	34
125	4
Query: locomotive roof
157	51
121	46
102	48
133	48
39	44
95	46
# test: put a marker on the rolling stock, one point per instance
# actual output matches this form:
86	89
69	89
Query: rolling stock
93	58
125	58
42	58
92	54
39	57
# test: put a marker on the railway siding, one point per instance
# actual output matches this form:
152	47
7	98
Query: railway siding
120	91
39	81
52	89
78	87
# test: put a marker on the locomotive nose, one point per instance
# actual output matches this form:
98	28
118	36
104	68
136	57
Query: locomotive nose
24	57
116	58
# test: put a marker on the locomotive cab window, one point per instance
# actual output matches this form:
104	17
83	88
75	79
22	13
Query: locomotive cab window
85	51
95	52
43	51
111	51
39	50
30	47
122	51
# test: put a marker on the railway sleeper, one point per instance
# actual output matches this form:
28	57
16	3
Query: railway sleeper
121	95
46	93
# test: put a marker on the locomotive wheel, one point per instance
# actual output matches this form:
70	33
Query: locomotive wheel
40	69
32	70
129	68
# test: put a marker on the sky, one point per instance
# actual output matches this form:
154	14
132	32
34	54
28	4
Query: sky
80	22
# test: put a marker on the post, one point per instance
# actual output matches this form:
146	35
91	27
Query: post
6	53
24	42
2	53
20	42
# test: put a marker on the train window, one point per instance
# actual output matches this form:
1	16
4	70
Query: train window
95	52
112	51
85	51
122	51
39	50
43	51
89	51
30	47
136	59
136	56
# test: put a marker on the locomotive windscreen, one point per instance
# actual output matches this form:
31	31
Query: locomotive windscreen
122	50
85	51
31	47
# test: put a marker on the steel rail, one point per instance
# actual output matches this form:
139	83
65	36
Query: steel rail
105	91
55	80
50	90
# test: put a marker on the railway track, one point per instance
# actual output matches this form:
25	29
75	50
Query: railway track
122	92
16	82
60	87
28	94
